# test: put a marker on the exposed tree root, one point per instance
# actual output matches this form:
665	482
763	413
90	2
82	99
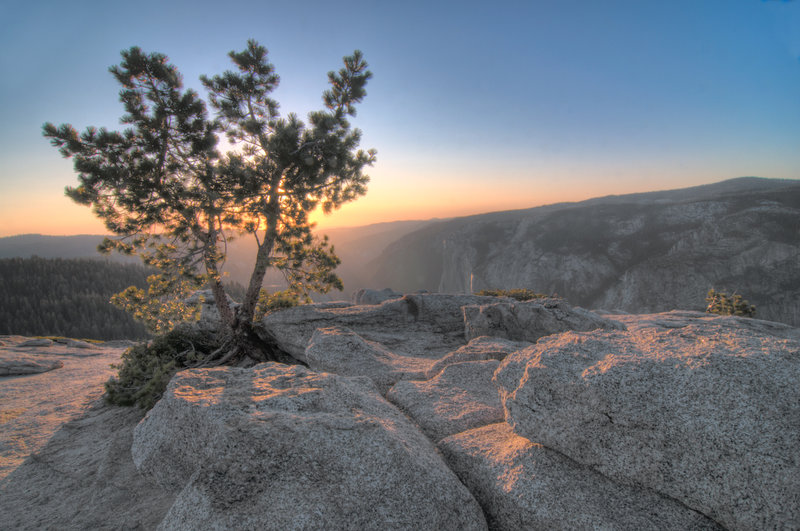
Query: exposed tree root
243	345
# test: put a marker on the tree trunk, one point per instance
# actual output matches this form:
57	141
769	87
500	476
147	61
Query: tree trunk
221	301
248	308
262	262
220	297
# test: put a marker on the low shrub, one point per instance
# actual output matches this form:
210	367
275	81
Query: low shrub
146	368
520	294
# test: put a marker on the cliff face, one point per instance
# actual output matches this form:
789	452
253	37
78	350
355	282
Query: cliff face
638	253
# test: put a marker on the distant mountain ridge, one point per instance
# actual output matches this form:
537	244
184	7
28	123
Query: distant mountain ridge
644	252
638	253
355	246
28	245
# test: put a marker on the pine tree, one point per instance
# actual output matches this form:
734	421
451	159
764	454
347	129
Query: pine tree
721	304
166	192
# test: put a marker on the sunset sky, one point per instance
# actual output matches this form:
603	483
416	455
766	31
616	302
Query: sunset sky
473	107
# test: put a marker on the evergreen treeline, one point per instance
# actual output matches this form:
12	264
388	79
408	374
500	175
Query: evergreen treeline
67	297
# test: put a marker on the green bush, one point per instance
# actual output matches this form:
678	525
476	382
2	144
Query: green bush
271	302
146	368
720	303
520	294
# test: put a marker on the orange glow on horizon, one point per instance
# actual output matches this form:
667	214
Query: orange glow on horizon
390	198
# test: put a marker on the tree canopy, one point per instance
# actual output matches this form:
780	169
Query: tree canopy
166	192
67	297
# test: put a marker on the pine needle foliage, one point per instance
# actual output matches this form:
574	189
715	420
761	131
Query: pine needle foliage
167	194
146	368
722	304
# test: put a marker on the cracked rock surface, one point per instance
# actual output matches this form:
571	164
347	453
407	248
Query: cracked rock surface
523	485
290	448
704	410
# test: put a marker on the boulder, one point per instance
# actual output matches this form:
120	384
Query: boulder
17	364
209	314
75	343
459	398
478	349
295	449
344	352
36	342
523	485
374	296
530	320
293	327
706	413
84	478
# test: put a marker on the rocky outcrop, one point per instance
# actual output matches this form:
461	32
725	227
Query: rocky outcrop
530	320
415	337
705	411
425	324
677	420
297	449
459	398
75	343
640	253
523	485
681	319
390	323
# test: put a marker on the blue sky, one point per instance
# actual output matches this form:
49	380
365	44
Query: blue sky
473	107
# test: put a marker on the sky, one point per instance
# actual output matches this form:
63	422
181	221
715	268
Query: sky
473	106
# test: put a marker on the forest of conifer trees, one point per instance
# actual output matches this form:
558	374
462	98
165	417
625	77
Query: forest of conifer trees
67	297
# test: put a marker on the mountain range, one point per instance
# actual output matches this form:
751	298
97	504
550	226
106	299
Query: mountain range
637	253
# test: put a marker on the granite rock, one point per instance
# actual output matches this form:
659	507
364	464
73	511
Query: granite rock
84	478
706	412
530	320
296	449
420	324
18	363
38	342
459	398
478	349
342	351
523	485
374	296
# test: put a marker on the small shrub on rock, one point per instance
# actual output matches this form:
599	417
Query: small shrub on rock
146	368
721	304
271	302
520	294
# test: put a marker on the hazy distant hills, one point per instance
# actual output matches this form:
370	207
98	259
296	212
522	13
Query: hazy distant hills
645	252
356	246
638	253
28	245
